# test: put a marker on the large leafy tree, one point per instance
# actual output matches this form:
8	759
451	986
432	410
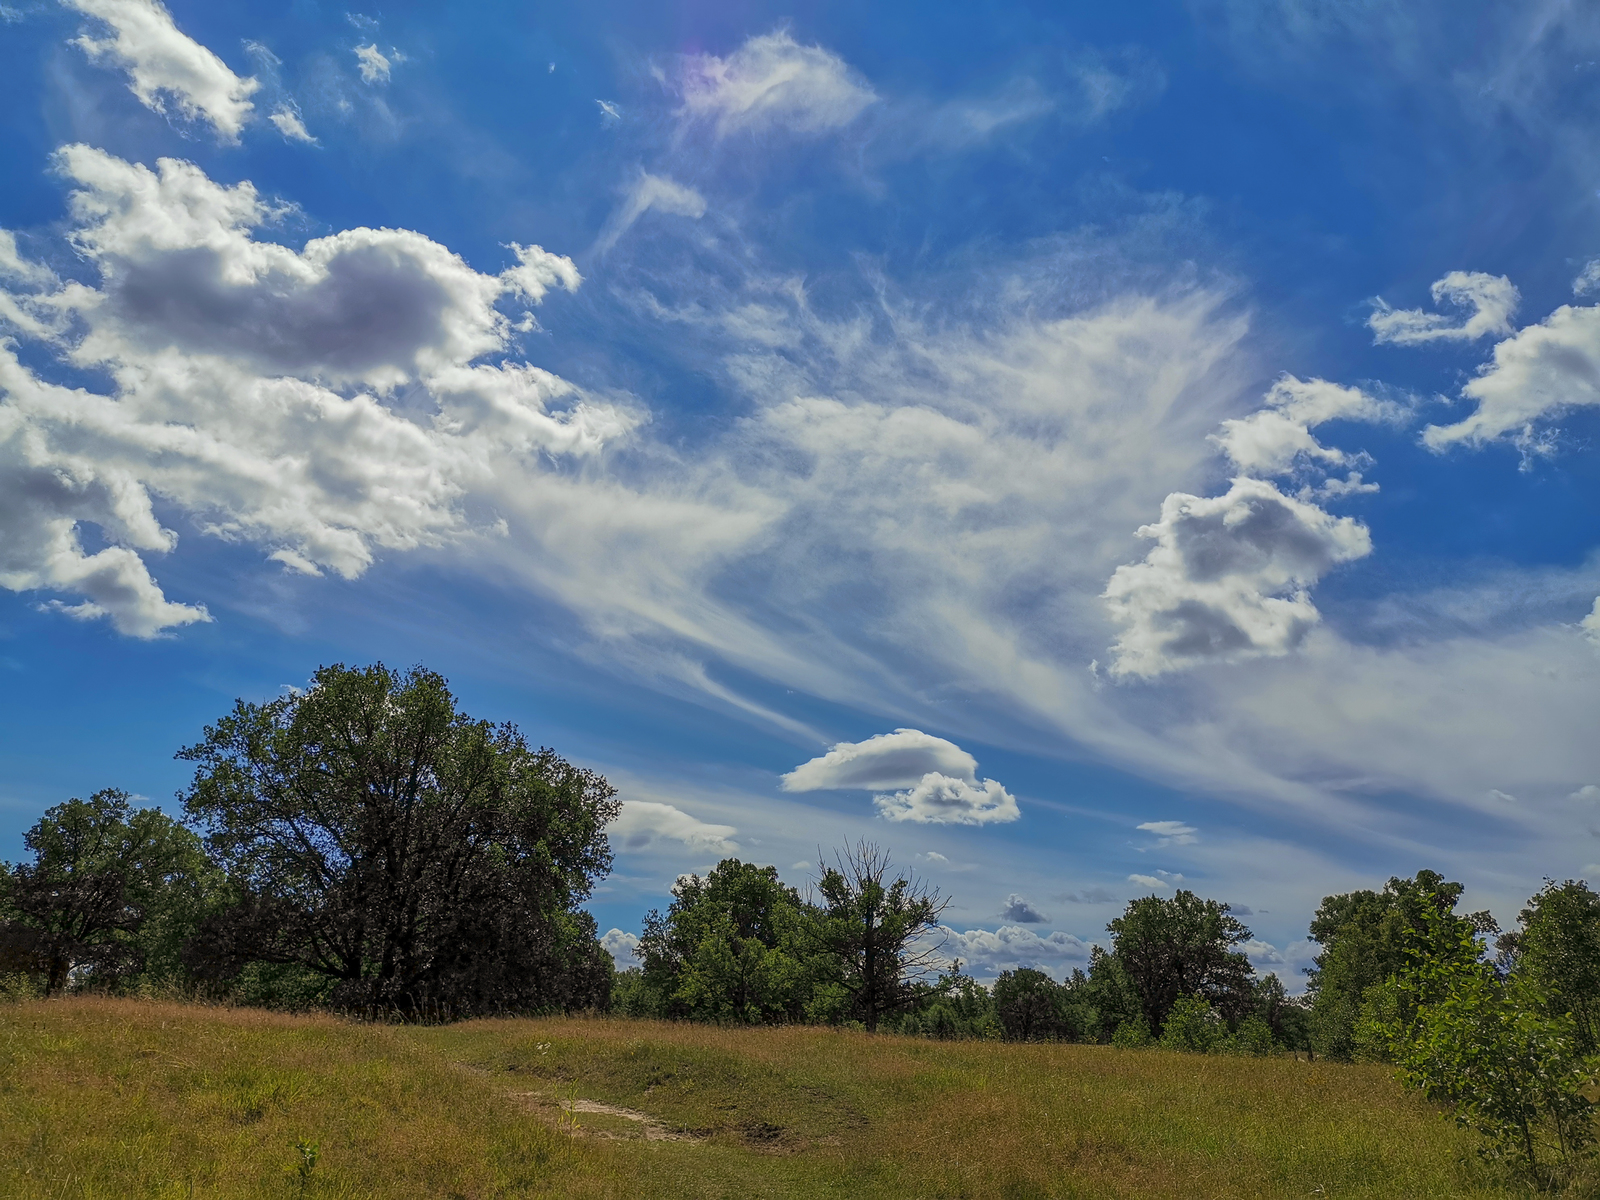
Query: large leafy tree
1368	937
1556	947
1184	946
872	922
111	891
734	946
419	860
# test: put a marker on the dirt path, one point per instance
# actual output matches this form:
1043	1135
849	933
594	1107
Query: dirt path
650	1129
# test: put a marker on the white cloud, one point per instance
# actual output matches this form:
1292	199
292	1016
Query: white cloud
1588	791
623	948
162	62
1492	300
1273	439
773	82
886	760
1502	797
1148	881
1228	579
609	112
650	192
224	351
986	953
1588	279
288	122
943	800
1019	912
1171	833
643	824
373	64
537	271
1538	372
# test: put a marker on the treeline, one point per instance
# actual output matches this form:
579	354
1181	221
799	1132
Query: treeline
363	846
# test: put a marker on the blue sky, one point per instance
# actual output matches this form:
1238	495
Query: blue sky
1177	420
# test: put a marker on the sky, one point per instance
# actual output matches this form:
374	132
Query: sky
1089	450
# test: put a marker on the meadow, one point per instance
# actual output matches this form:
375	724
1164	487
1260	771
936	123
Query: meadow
121	1098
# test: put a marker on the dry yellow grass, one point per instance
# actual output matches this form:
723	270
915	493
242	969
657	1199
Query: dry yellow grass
103	1098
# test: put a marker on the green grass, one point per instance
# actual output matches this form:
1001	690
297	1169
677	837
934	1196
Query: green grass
108	1098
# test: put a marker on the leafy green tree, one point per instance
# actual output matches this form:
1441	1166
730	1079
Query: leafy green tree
953	1007
1486	1047
872	923
112	892
1367	937
1556	947
1030	1006
1108	999
1184	946
736	946
1192	1024
420	861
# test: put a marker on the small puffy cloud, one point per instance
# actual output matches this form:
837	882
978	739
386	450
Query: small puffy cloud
164	63
1488	301
1588	791
1171	833
1272	440
1502	797
1262	954
623	948
373	64
537	271
644	823
773	82
886	760
1157	882
1019	912
287	121
987	952
943	800
609	112
933	856
1228	578
1588	279
650	192
1541	371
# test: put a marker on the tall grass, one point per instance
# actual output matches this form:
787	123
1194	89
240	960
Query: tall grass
102	1098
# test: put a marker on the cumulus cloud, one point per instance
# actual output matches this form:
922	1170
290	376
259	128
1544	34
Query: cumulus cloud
1273	439
942	800
886	760
247	391
643	824
1228	579
623	948
1019	912
1588	791
650	192
1538	372
1488	302
772	82
987	953
373	63
1157	882
165	64
1171	833
938	779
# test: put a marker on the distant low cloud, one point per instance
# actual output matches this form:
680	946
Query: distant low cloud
623	948
1487	303
649	192
987	953
163	64
1171	833
771	83
1160	881
937	779
1019	912
1094	895
643	823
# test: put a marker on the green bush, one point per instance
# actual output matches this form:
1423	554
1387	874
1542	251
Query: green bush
1193	1025
1132	1034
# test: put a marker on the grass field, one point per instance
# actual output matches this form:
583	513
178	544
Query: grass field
121	1098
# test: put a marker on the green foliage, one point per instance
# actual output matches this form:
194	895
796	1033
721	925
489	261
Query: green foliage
422	862
870	923
1169	949
1193	1025
1253	1037
1557	949
1486	1047
110	897
955	1007
736	947
1367	937
1031	1006
1132	1034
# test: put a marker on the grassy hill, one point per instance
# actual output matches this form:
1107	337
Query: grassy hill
121	1099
